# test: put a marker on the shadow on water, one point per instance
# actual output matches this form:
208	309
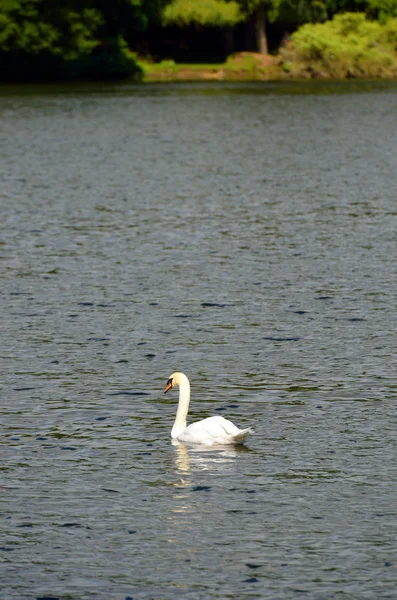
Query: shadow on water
200	88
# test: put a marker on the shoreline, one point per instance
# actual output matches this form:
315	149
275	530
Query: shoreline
244	66
250	66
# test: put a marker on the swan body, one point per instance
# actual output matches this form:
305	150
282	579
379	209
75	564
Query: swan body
210	431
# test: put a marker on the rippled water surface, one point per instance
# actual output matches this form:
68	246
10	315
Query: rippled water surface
245	235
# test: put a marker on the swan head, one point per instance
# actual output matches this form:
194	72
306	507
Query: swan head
174	380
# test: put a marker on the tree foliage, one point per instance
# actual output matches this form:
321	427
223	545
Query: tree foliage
214	13
289	11
383	9
49	39
76	38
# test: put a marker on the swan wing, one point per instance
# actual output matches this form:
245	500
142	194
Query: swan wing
214	430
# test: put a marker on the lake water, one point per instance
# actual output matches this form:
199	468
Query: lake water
245	235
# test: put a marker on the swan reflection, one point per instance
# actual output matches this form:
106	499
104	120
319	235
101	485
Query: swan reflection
205	457
189	461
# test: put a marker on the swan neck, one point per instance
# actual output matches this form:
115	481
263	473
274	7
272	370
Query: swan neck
183	407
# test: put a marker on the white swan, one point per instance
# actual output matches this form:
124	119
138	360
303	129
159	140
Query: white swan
214	430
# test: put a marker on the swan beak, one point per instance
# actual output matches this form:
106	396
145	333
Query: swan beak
168	386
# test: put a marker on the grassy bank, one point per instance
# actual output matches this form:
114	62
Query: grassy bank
239	67
349	46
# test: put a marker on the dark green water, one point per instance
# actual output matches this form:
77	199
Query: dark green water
246	235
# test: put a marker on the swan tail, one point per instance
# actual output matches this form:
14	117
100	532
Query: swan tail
241	436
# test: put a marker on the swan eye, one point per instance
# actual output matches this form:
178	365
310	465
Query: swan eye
169	382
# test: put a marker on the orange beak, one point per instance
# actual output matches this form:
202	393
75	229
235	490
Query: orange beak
168	387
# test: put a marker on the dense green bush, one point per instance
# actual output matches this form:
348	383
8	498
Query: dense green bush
348	46
109	60
42	39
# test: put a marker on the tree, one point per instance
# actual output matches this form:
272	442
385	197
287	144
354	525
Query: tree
214	13
34	27
43	39
258	10
292	13
383	9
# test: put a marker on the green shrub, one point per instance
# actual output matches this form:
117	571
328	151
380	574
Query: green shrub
42	40
389	33
349	45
